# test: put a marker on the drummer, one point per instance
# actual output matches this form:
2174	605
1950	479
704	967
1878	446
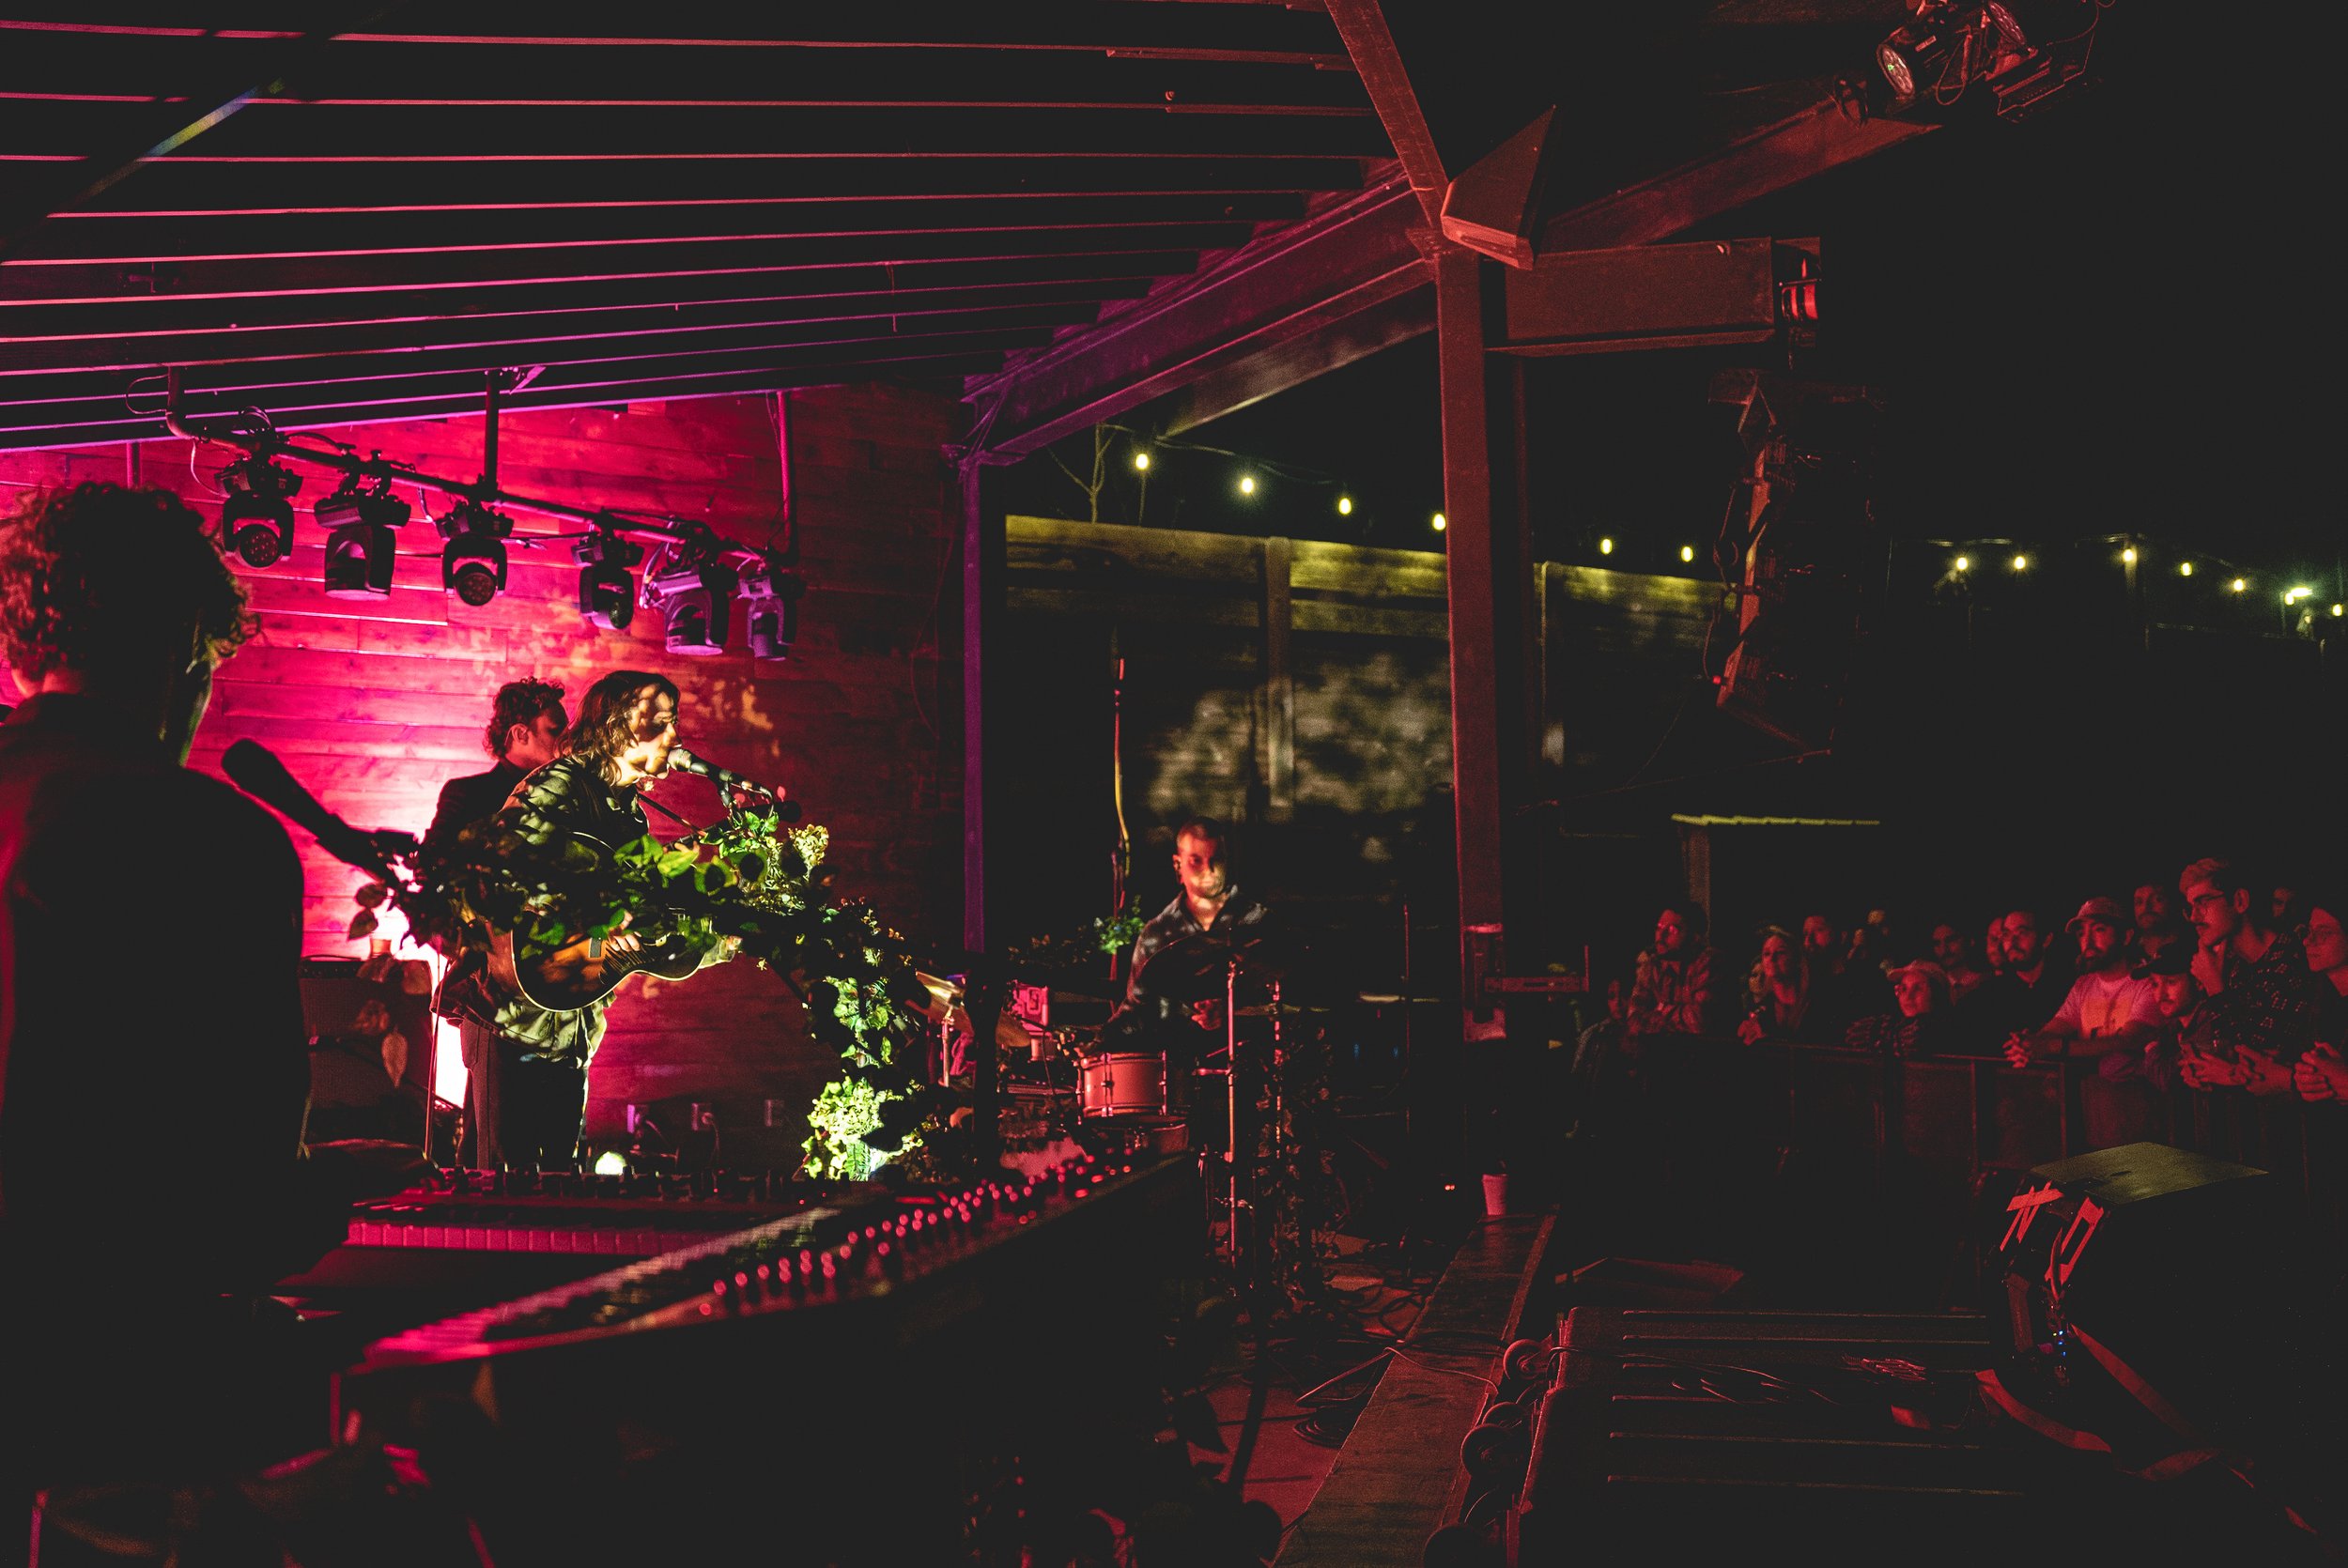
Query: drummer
1209	903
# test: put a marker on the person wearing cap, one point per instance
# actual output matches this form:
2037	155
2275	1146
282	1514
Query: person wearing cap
2182	1046
1920	1028
2264	1002
2108	1008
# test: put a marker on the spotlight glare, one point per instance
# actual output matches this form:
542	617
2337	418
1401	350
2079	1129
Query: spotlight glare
1963	564
1687	552
2021	563
2339	609
1345	506
2239	585
2184	568
2128	555
1141	462
1247	484
1606	546
1440	523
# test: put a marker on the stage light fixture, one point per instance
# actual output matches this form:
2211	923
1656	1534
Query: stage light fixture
359	551
1247	484
1440	522
1606	546
474	562
770	601
1345	506
256	520
1141	462
607	594
694	593
1687	553
1916	57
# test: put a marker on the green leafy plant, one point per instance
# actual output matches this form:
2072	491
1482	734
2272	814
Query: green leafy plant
751	879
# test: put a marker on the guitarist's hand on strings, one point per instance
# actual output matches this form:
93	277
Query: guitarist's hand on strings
621	940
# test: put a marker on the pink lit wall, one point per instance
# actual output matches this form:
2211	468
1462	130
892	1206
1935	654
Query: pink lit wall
375	705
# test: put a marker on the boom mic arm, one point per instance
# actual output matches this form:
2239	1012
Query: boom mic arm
255	770
726	778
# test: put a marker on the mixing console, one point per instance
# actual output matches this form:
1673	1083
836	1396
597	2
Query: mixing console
775	1383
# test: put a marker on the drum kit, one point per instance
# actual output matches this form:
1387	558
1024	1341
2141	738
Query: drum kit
1115	1093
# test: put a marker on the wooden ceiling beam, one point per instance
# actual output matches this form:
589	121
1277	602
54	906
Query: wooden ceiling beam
364	131
520	336
136	428
182	187
258	380
138	320
70	282
1352	257
1369	43
135	242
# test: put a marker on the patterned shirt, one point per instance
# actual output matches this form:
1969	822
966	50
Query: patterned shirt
1240	910
2271	1006
566	802
1675	995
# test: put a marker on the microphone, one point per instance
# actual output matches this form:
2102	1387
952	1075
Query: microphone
726	778
257	772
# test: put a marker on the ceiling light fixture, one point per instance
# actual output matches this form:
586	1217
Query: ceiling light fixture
607	594
256	520
473	563
358	524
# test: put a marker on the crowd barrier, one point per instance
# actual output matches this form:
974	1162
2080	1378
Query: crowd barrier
1940	1127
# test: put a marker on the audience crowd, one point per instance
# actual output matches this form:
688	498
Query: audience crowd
2226	981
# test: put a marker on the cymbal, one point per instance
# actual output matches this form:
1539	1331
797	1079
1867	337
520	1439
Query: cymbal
944	996
1196	967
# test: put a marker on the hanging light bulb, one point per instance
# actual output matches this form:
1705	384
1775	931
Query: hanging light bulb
2128	555
1440	523
2184	568
1606	546
1962	563
1141	462
1345	506
1247	484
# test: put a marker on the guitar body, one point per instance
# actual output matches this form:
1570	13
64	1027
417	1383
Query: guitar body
587	969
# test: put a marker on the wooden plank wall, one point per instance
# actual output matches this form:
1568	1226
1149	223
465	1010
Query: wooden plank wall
1300	687
375	705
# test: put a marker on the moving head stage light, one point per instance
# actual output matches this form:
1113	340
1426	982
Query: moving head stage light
694	590
770	597
358	524
607	595
473	564
256	520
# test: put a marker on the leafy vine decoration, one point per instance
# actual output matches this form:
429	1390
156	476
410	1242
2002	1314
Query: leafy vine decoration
751	878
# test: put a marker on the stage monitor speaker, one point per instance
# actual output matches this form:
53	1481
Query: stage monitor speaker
2163	1301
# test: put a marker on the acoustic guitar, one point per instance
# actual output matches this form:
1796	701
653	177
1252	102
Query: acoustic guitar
590	969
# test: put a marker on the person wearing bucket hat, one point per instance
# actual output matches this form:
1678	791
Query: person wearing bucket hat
1920	1028
2109	1008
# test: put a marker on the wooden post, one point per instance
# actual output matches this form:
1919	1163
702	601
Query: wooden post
982	547
1480	519
1279	692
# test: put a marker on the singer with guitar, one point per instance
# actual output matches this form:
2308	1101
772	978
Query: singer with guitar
542	1014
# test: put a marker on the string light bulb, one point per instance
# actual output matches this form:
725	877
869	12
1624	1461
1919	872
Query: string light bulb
1345	506
1440	522
2128	555
2239	585
2021	563
1247	484
2184	568
1687	552
1141	462
2338	610
1963	564
1606	546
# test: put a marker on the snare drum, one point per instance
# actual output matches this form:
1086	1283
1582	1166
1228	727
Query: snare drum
1122	1083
